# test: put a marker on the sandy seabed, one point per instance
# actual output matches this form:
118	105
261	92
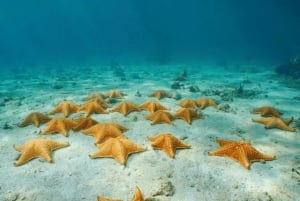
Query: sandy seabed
191	176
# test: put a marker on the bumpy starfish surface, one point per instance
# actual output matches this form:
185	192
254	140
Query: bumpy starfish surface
160	116
188	103
241	152
102	131
37	148
125	108
138	196
84	123
59	125
205	102
152	106
114	94
187	114
118	148
92	107
266	111
160	94
168	143
275	122
65	107
35	118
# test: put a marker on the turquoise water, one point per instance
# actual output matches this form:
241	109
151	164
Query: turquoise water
83	32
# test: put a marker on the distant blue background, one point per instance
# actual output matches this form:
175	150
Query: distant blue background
35	32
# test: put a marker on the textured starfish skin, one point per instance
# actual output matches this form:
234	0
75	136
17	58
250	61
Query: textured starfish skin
114	94
92	107
188	103
102	131
118	148
275	122
35	118
152	106
205	102
159	94
160	116
59	125
187	114
241	152
168	143
266	111
65	107
83	123
37	148
138	196
125	108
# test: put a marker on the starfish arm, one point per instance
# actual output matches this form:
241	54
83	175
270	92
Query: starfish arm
25	157
288	120
138	196
255	155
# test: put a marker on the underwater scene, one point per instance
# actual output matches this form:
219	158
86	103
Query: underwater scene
162	100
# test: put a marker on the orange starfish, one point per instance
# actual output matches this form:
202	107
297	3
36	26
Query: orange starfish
65	107
37	148
160	94
160	116
114	94
241	152
102	131
152	106
125	108
59	125
188	103
35	118
275	122
168	143
106	199
187	114
118	148
266	111
204	102
84	123
92	107
138	196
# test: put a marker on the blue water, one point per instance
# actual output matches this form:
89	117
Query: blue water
37	32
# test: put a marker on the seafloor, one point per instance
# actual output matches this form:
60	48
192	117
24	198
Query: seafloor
192	175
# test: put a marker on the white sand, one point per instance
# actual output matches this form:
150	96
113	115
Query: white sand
191	176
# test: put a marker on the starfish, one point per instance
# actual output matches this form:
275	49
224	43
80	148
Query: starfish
187	114
95	96
168	143
125	108
138	196
118	148
160	94
152	106
92	107
275	122
204	102
98	98
35	118
160	116
59	125
241	152
65	107
102	131
37	148
114	94
266	111
84	123
106	199
188	103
